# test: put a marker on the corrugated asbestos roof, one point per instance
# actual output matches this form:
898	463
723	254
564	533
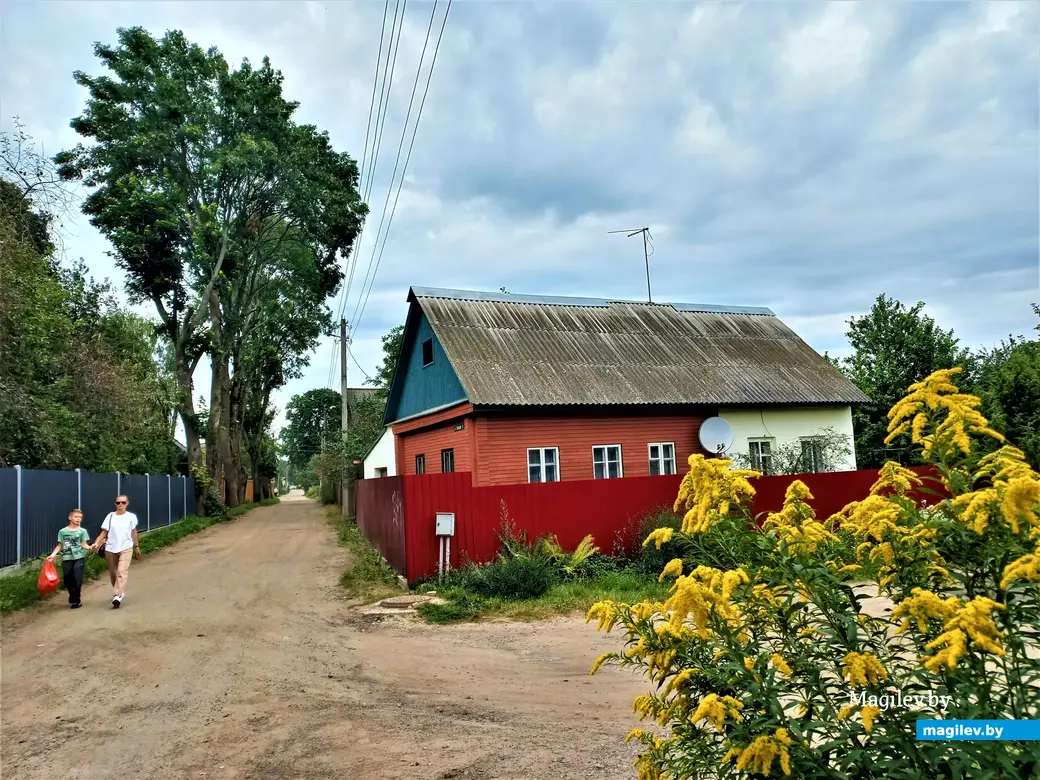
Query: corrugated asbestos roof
519	350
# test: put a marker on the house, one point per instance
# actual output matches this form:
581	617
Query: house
381	460
523	388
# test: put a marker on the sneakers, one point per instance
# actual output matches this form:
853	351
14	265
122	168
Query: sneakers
116	601
77	605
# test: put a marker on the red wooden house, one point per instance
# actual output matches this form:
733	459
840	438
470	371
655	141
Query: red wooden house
518	388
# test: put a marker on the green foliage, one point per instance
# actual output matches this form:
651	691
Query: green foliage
79	378
310	417
20	590
512	578
392	343
207	491
895	347
1010	392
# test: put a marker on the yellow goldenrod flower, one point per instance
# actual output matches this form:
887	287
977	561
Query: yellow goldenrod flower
780	664
607	612
922	606
671	569
749	664
634	734
716	709
868	714
709	490
845	711
896	479
1026	568
873	518
972	621
863	669
600	661
659	536
925	402
758	757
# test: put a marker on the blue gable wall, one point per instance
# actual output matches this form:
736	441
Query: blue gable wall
416	389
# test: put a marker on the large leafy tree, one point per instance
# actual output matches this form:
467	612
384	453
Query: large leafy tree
311	419
392	343
201	176
895	346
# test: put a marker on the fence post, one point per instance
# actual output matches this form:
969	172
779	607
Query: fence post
148	486
79	488
18	509
184	482
119	484
169	499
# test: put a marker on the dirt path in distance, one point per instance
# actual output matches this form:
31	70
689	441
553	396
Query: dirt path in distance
235	655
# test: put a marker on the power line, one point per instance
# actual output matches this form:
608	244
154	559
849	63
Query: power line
397	160
408	157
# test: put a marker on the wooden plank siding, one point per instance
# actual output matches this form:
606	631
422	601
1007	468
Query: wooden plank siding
502	443
430	442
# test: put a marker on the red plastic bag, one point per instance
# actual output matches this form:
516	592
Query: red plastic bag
48	582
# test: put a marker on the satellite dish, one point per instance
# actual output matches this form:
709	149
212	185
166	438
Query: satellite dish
716	435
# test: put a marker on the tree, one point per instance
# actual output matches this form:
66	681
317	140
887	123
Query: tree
200	176
895	346
311	419
829	451
392	343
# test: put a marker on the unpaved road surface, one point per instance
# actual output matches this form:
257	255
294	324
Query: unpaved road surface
236	655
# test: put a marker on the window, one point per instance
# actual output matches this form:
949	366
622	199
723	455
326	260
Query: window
606	461
380	472
543	464
662	458
447	461
812	455
427	352
420	464
761	451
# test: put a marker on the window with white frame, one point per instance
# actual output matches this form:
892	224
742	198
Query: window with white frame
812	455
420	464
662	458
761	451
543	464
606	462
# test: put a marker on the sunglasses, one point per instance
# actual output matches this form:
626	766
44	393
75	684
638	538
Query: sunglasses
120	502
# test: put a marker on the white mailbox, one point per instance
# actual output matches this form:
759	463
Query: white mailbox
445	524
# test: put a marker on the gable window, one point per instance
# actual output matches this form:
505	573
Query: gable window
380	472
761	451
812	455
543	464
662	458
447	461
606	461
427	353
420	464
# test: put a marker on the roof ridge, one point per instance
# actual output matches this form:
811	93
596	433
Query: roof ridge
581	302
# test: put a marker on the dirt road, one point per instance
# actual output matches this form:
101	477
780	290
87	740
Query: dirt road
235	655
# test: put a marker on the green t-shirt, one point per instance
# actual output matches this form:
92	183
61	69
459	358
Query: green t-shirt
72	542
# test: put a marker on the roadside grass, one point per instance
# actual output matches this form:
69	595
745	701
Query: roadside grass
629	585
368	578
18	591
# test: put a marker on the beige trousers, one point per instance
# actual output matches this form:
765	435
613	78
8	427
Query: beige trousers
118	569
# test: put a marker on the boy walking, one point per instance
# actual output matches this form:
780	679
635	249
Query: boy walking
119	533
73	544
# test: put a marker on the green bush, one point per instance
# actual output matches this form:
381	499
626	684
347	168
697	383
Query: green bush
512	578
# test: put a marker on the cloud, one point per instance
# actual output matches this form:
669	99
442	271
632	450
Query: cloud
802	156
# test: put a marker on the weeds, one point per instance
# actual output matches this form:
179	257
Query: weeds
368	577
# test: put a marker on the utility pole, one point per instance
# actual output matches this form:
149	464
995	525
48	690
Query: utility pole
344	406
646	256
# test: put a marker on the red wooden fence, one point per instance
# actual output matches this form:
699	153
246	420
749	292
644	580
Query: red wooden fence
607	509
380	516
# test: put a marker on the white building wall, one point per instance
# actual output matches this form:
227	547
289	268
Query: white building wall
788	425
382	456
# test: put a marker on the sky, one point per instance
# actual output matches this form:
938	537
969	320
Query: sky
802	156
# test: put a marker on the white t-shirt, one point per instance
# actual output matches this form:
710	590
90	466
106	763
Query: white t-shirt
119	528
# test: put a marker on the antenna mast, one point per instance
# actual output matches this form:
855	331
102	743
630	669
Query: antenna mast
646	257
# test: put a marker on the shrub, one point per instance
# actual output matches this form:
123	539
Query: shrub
513	578
775	668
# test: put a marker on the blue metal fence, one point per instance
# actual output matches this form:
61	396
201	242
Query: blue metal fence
35	505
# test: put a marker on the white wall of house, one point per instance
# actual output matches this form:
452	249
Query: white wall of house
382	456
789	426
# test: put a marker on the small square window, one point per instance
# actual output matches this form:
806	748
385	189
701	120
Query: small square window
427	352
542	464
447	461
761	451
420	464
606	462
662	458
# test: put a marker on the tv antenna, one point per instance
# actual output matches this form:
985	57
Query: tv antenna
646	256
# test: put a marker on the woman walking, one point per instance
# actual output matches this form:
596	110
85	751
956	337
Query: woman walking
119	535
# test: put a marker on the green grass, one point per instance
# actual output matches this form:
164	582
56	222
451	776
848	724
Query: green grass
367	578
18	591
628	585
